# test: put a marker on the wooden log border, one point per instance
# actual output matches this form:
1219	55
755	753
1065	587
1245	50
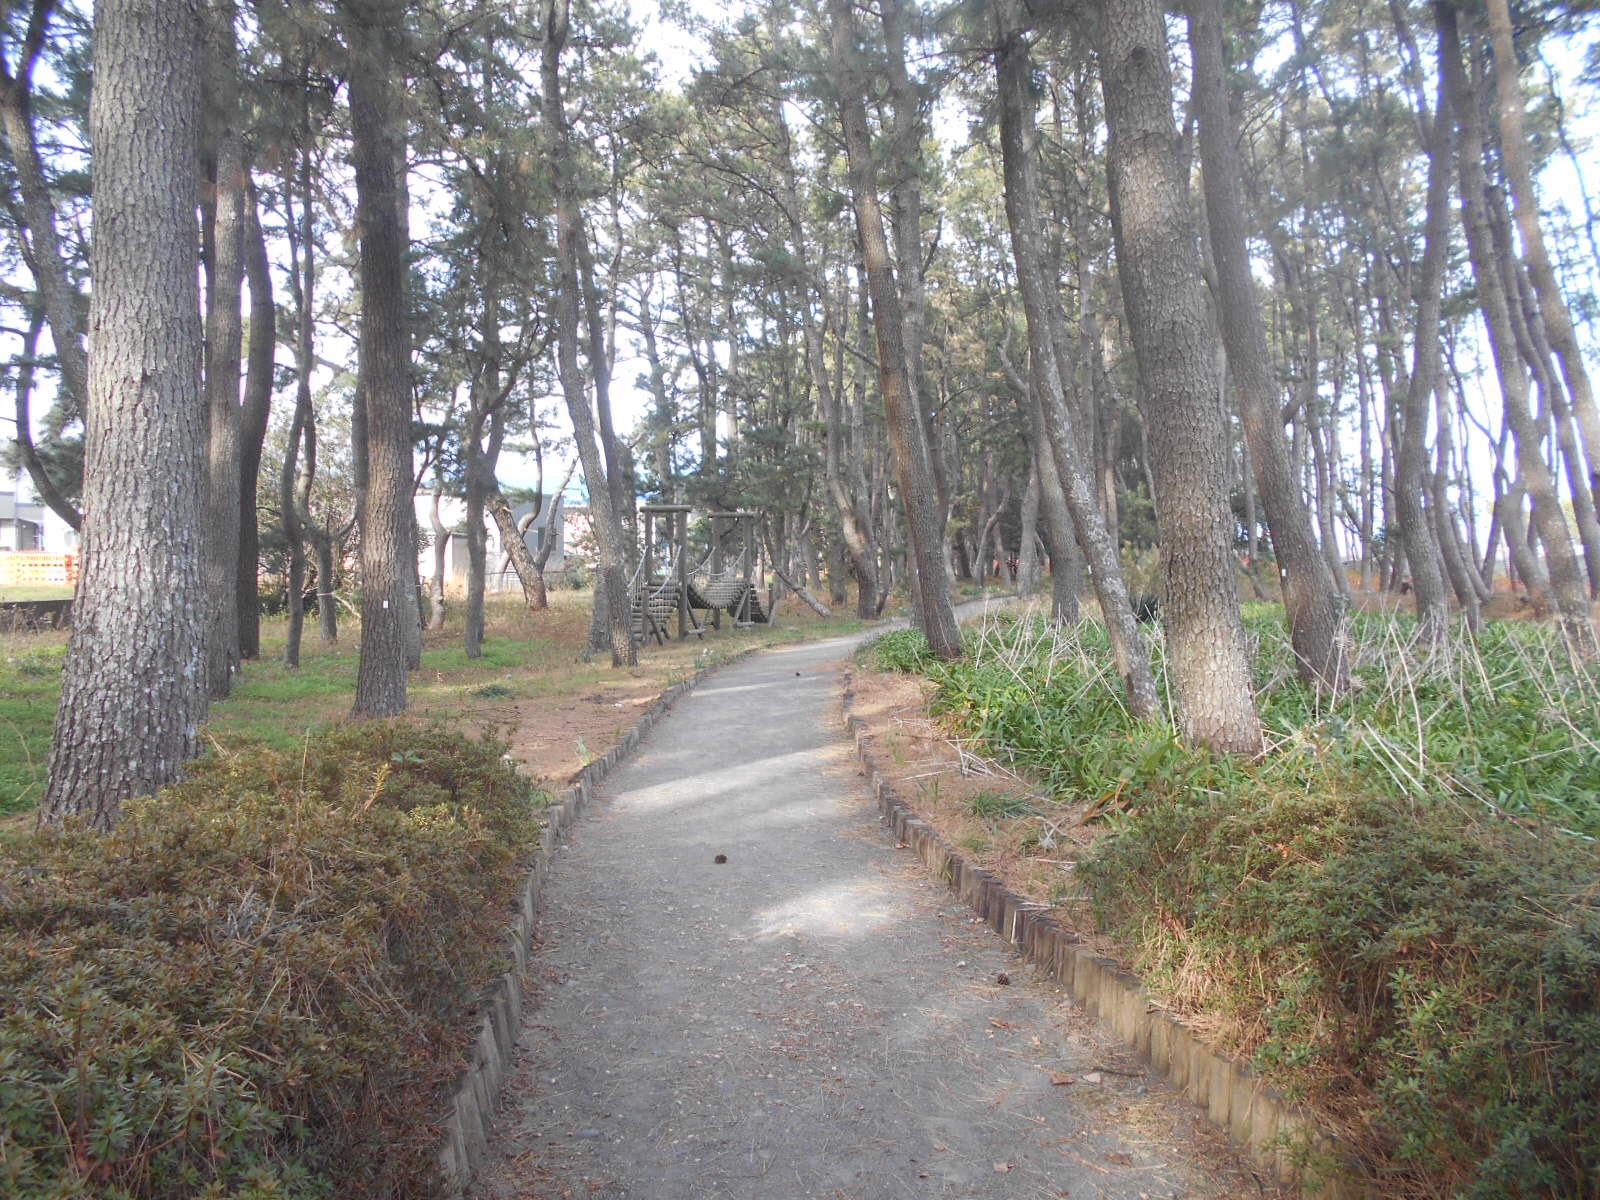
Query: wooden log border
468	1120
1259	1120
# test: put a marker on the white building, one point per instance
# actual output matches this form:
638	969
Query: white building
501	577
21	524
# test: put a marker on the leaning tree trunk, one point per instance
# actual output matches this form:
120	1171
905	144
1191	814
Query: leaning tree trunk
133	691
1160	273
41	247
1552	307
918	493
1309	598
388	565
224	346
529	573
610	588
1565	578
1019	149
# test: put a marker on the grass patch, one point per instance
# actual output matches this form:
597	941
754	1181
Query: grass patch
526	656
1393	912
36	591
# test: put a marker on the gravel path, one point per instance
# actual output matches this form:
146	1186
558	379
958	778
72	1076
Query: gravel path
812	1017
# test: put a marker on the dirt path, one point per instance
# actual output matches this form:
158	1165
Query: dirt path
812	1017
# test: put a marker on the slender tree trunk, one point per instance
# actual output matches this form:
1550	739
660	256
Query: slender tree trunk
1519	172
224	350
1565	579
253	426
41	246
529	571
441	552
293	529
857	533
918	494
1416	529
44	487
1534	347
388	563
611	587
1028	539
481	464
1309	597
1159	270
133	689
905	149
1052	426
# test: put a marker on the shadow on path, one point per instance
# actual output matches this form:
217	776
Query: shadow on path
812	1018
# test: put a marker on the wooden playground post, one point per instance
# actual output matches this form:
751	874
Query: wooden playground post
680	521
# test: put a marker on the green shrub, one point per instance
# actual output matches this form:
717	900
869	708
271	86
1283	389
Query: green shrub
1447	971
256	986
902	650
1384	910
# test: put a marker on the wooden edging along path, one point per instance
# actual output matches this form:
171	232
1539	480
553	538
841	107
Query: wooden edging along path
1255	1117
469	1114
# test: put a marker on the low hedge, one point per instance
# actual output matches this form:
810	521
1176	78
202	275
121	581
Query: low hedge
257	985
1422	965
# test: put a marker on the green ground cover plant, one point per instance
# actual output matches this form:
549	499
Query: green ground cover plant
256	983
1394	912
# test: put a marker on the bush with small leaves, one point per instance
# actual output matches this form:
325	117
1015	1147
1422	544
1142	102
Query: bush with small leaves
257	985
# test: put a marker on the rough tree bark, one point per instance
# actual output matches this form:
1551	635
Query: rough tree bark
388	563
918	493
1160	273
1309	597
611	588
1019	149
133	691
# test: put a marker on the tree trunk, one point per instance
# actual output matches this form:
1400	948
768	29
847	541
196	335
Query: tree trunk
1416	530
530	572
388	564
41	247
1565	579
1062	469
856	531
253	426
912	466
1160	275
1028	570
293	530
1519	173
441	552
133	689
1309	598
224	336
44	487
611	588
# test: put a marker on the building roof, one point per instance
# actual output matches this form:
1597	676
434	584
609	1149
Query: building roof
11	510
